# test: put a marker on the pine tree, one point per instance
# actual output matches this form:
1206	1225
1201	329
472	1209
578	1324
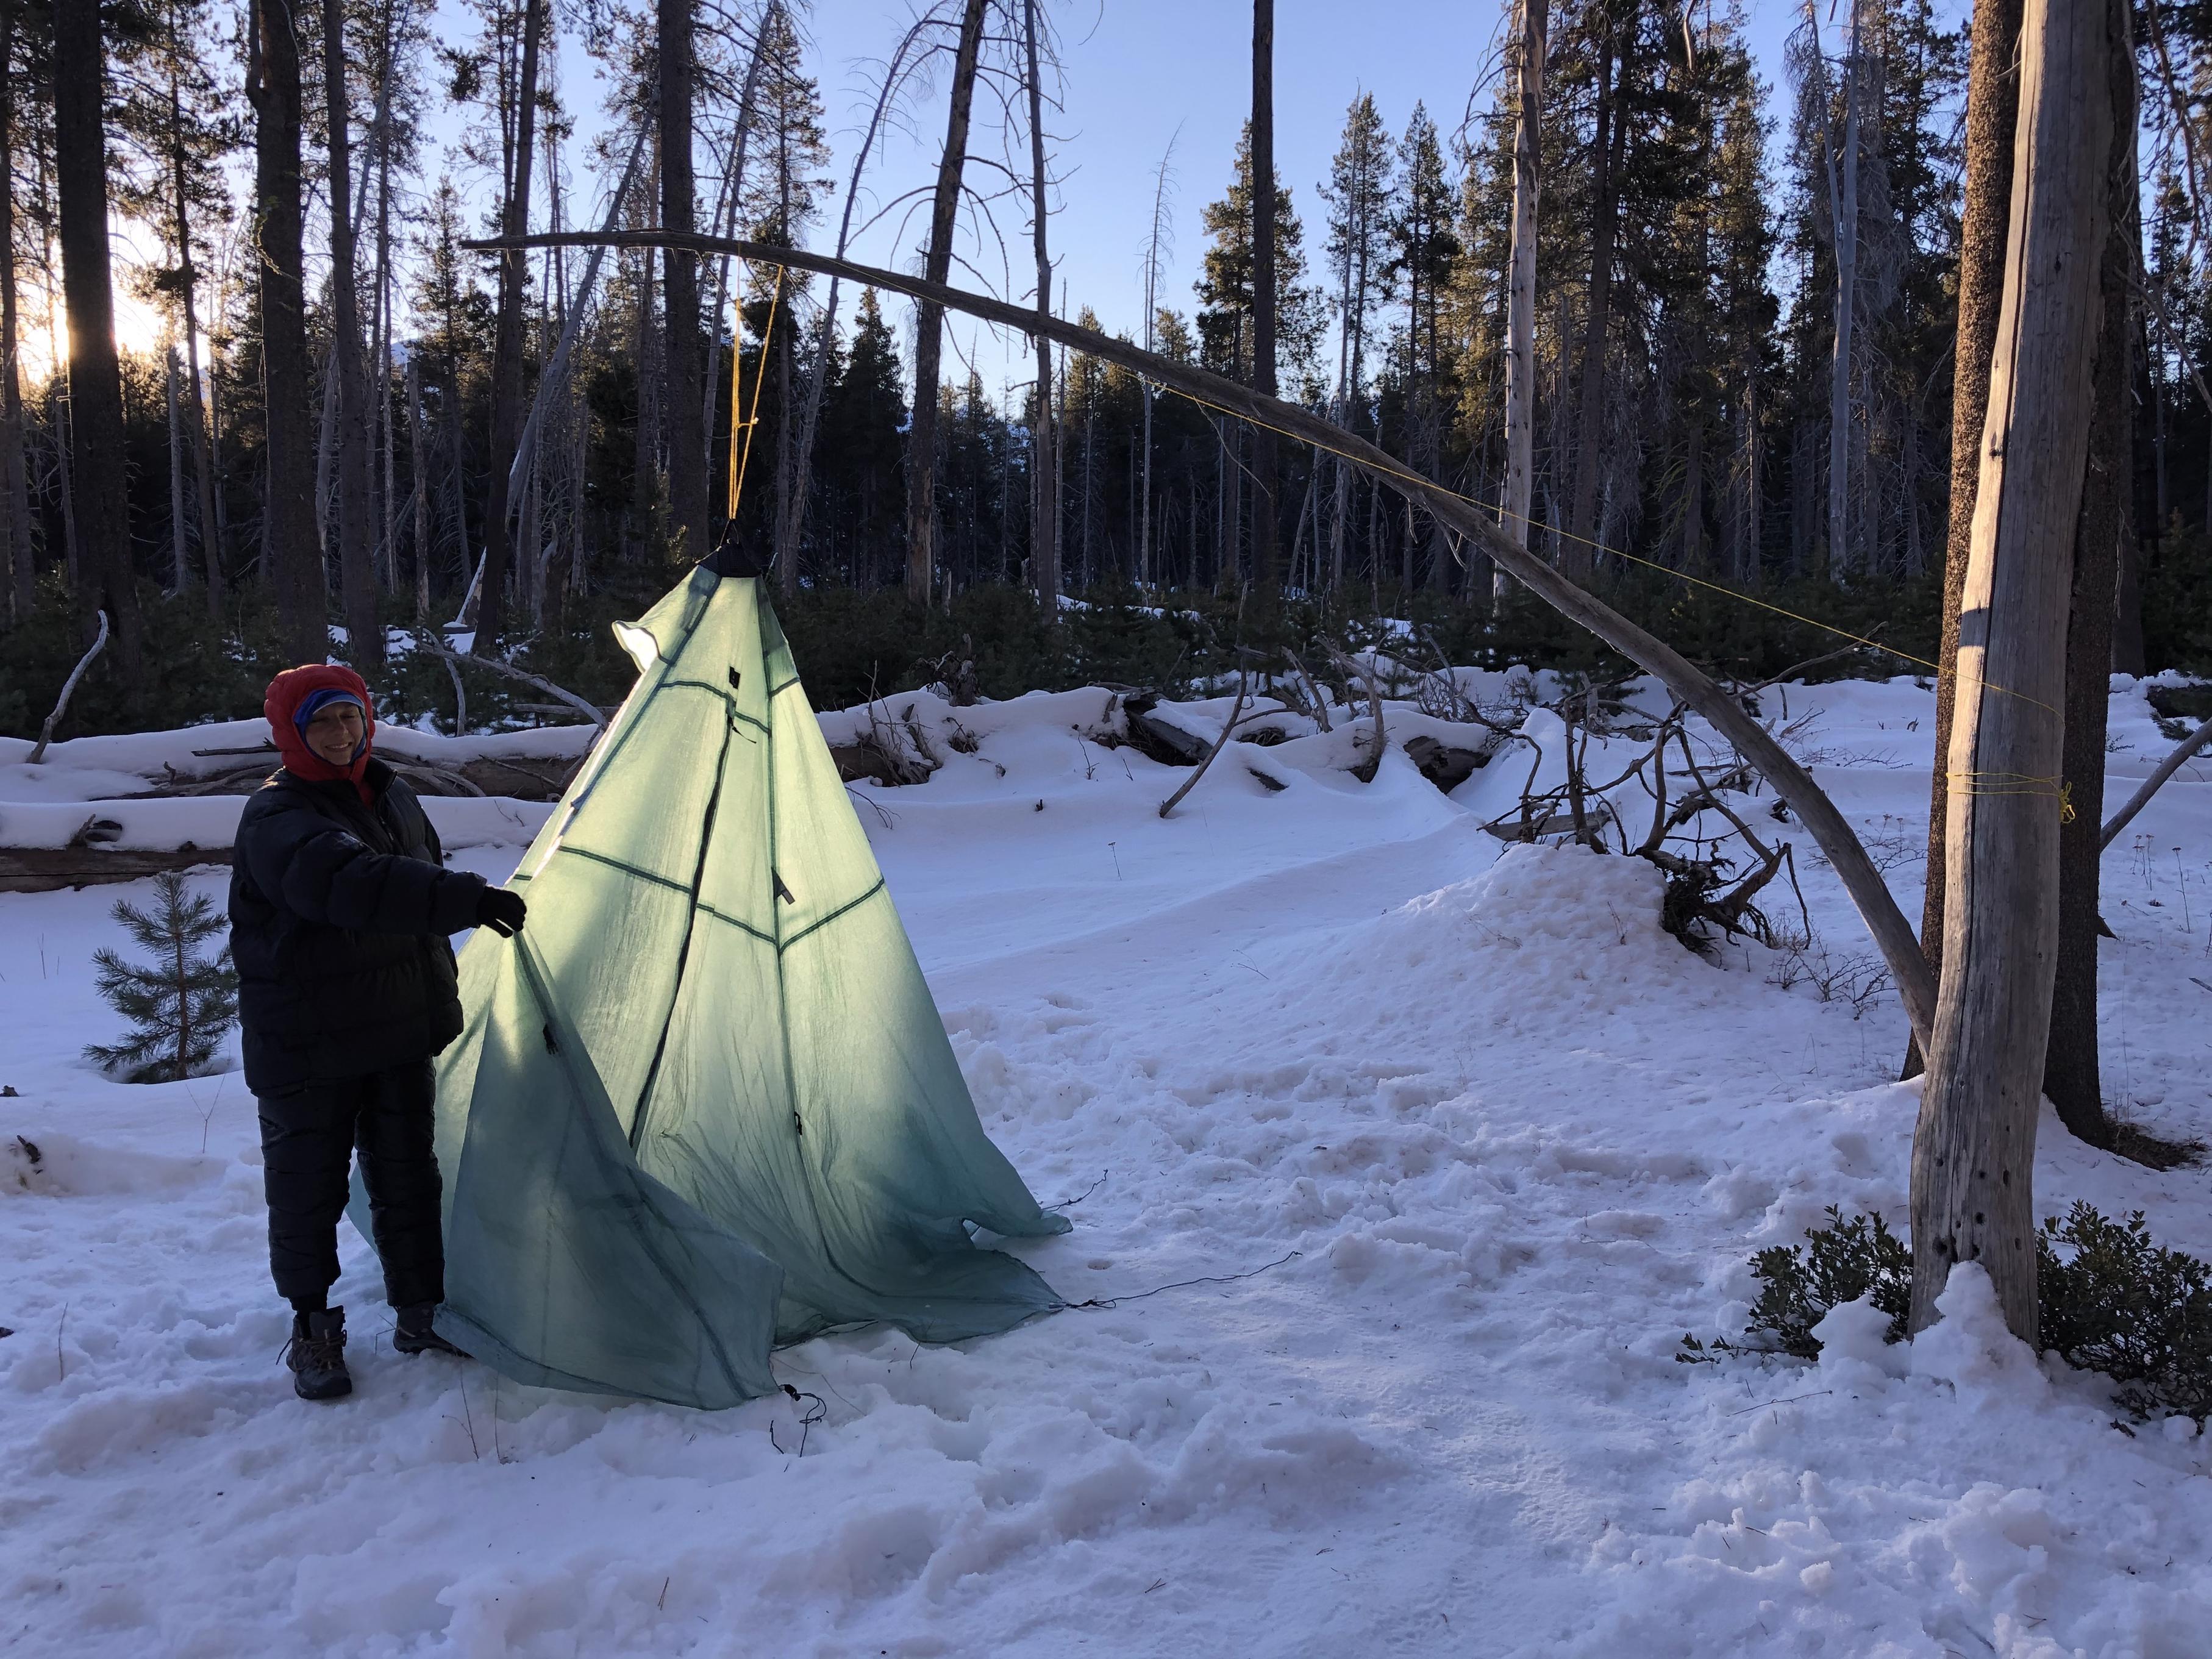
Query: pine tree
1423	252
1358	194
182	1004
1224	290
862	414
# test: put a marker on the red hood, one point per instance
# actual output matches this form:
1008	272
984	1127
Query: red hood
285	695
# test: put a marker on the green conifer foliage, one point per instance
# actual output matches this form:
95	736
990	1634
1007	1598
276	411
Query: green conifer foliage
182	1003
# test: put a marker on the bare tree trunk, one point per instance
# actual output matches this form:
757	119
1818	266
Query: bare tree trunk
419	468
95	377
188	305
791	529
1521	302
732	192
1044	534
388	505
1846	204
1267	470
929	326
2070	1063
291	561
645	459
1992	107
1146	387
1974	1147
506	345
177	562
14	481
356	556
1575	553
683	359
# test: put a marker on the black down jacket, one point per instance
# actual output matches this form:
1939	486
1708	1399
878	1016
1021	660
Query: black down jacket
338	917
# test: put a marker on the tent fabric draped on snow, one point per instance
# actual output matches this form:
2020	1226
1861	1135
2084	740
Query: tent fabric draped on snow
705	1104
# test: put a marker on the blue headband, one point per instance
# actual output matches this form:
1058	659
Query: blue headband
315	702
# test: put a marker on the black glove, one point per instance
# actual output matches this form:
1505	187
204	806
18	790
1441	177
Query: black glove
500	911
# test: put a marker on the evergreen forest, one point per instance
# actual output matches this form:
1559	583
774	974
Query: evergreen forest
1732	381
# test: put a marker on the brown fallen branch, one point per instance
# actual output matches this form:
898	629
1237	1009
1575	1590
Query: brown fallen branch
1366	770
1313	690
426	777
1893	935
1228	730
453	661
68	687
2188	749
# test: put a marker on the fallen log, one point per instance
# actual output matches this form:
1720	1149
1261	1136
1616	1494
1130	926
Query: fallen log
50	869
1893	935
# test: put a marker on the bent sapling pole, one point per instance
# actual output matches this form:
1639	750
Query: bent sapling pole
1893	935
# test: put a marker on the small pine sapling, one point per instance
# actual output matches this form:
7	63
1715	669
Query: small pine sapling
180	1005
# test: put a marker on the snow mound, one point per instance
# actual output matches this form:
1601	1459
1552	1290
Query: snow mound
1970	1348
62	1166
1548	938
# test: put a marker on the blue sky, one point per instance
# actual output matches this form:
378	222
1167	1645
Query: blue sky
1139	75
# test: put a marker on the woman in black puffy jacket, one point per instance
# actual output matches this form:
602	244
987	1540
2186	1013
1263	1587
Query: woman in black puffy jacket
340	907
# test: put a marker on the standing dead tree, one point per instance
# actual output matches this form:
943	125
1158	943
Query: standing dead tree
1521	283
290	562
896	73
1044	463
357	576
1974	1147
929	329
1992	104
507	345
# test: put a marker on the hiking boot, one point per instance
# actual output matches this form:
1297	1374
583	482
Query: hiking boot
416	1335
316	1355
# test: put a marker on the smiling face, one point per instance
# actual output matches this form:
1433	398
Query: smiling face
335	732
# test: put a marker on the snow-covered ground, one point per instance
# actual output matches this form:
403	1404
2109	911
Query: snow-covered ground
1487	1142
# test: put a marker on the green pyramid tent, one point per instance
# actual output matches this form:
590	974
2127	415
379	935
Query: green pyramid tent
704	1104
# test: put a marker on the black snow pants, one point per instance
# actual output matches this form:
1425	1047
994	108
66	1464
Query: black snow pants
308	1138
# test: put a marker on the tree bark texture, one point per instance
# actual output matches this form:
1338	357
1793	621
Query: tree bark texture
683	356
1611	139
15	544
418	467
507	346
203	450
357	572
1844	202
929	322
1830	831
1044	535
1267	471
291	556
1521	294
1974	1147
2070	1062
1992	107
97	460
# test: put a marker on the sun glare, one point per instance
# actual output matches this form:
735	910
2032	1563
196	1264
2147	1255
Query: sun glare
140	330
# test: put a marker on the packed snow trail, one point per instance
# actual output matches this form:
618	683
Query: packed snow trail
1518	1138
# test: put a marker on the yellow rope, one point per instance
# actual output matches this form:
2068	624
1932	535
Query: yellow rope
1410	476
1407	475
740	457
2016	783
